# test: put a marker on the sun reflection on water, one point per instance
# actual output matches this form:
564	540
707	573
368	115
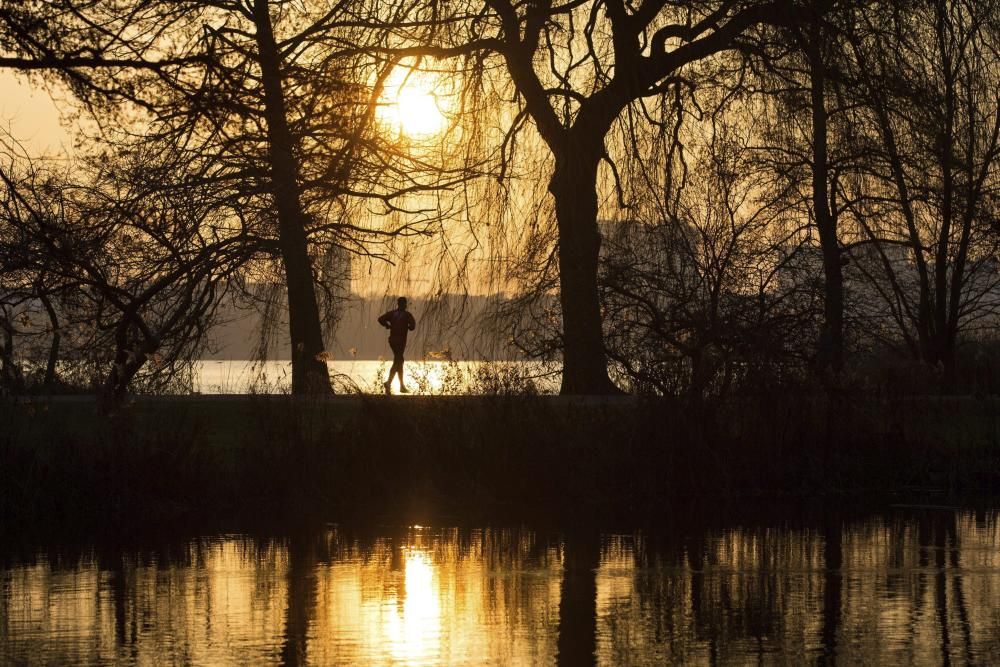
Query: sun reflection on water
434	597
923	590
414	631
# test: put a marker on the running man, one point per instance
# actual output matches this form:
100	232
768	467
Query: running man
398	322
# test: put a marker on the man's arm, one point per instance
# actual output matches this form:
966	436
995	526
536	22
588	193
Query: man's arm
412	324
384	320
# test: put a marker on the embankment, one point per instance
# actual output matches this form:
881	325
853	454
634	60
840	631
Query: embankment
170	458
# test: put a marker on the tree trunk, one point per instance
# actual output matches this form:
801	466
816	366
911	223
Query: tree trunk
309	372
947	158
129	359
131	353
574	187
50	366
10	373
831	346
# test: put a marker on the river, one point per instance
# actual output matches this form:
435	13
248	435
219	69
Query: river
422	376
899	585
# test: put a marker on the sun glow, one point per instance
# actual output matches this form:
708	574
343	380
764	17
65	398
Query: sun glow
412	103
415	633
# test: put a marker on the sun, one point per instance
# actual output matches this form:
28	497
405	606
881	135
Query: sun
411	103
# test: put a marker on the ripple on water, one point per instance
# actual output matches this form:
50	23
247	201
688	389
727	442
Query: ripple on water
911	588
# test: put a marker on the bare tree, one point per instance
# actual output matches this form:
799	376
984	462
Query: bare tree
148	268
925	203
800	85
695	288
273	99
816	48
576	67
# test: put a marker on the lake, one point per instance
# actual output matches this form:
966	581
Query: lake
900	585
422	376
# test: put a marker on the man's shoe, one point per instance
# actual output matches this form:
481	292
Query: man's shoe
388	387
403	390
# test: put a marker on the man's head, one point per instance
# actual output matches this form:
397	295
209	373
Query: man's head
401	302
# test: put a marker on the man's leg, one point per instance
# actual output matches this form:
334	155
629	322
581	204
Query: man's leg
398	363
396	368
392	369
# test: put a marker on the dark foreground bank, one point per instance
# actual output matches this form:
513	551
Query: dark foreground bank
233	458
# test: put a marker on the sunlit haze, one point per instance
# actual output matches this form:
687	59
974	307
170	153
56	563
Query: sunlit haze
499	333
411	103
31	117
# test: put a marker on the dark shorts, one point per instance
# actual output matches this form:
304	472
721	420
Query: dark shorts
397	346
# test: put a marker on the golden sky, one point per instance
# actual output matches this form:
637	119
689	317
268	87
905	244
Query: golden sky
30	115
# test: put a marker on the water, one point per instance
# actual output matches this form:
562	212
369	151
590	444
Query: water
422	377
902	586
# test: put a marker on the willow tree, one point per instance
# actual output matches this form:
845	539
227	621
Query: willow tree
576	66
284	115
274	104
113	46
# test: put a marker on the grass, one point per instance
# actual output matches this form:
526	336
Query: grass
250	457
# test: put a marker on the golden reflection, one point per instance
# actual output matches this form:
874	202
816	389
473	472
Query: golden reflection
431	377
921	589
414	632
437	377
437	597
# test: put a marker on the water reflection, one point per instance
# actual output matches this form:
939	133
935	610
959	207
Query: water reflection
423	376
920	587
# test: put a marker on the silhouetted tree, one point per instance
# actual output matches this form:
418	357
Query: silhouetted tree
147	268
576	67
815	42
273	99
924	204
798	85
696	289
831	347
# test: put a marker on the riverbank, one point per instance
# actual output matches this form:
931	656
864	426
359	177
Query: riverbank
174	458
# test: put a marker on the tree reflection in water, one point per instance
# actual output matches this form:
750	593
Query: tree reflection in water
301	598
578	599
913	586
833	562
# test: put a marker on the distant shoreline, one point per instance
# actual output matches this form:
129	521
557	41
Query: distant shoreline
426	376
